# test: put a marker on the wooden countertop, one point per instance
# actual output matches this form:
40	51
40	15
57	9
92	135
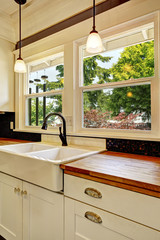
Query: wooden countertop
129	171
7	141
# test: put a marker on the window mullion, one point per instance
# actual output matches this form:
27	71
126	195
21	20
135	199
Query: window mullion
44	94
130	82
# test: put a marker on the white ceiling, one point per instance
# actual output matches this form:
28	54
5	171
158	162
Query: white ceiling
37	15
10	6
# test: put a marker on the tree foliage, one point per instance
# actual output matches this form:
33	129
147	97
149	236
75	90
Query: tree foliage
54	103
135	62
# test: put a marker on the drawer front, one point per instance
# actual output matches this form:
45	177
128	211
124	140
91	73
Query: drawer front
135	206
86	222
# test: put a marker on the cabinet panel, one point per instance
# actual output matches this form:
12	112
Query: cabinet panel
135	206
42	214
113	227
10	207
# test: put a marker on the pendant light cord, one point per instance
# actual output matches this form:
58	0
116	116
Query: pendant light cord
20	31
94	11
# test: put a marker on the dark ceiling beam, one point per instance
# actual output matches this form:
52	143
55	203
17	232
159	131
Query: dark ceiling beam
100	8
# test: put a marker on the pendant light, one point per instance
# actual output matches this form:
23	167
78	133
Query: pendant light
94	42
20	66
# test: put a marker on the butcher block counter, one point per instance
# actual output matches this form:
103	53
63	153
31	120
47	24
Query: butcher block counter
129	171
7	141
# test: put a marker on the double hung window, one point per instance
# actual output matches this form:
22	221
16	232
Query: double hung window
44	90
115	86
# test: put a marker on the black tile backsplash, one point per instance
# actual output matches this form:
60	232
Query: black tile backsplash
6	132
1	238
150	148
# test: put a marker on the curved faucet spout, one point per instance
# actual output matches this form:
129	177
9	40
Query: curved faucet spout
62	136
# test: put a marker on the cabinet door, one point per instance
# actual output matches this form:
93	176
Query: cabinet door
42	214
10	207
83	222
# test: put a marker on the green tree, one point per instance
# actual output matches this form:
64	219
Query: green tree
93	72
135	62
52	84
54	103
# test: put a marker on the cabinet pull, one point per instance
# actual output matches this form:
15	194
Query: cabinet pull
17	190
24	193
93	217
93	193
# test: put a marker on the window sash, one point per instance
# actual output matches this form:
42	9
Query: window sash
37	95
131	82
43	94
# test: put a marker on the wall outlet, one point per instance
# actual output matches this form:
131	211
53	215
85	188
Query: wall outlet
11	125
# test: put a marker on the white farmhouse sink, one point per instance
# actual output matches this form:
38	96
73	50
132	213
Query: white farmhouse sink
26	147
39	163
60	155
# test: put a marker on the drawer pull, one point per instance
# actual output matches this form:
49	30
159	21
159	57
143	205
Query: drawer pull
23	192
93	193
16	190
93	217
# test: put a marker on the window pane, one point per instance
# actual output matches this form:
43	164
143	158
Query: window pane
39	107
127	57
118	108
46	79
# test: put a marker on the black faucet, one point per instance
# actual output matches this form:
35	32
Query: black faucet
62	136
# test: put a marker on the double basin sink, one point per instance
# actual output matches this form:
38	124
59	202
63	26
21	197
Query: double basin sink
39	163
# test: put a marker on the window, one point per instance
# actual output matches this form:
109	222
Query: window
111	94
115	85
44	90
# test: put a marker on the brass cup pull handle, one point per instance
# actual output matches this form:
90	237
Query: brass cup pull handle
93	217
17	190
24	193
93	193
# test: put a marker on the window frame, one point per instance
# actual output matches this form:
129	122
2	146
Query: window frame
154	81
22	85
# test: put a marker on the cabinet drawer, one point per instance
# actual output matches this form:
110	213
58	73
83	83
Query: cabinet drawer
135	206
99	224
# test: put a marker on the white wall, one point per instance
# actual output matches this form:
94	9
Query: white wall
6	76
7	42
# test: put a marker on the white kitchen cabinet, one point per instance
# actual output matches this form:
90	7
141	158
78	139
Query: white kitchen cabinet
107	226
134	206
42	214
10	207
104	204
40	211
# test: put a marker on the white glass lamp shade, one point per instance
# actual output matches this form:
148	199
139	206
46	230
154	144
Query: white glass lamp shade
94	43
20	66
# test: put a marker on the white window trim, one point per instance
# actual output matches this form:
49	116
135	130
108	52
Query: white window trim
21	89
154	81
